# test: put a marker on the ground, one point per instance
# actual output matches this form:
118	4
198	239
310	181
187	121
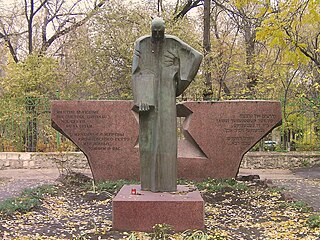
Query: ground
76	209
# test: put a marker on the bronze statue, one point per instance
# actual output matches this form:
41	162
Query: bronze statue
163	67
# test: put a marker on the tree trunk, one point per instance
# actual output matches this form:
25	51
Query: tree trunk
160	8
208	93
249	36
30	27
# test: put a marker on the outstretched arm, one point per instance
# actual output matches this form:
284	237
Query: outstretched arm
190	60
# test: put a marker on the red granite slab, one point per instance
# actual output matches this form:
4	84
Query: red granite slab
182	210
224	131
106	131
217	135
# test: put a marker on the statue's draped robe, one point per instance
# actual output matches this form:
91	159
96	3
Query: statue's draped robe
161	71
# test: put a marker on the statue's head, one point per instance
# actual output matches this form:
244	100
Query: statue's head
157	27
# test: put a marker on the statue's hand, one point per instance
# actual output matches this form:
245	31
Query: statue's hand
143	107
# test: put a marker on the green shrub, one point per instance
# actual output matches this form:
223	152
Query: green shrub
213	185
299	205
27	200
107	186
314	221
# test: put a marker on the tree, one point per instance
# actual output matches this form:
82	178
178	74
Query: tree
35	76
246	17
208	91
294	27
32	30
23	84
208	94
41	23
105	45
98	58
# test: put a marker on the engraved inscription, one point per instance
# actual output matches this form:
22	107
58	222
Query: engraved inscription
82	124
245	125
108	141
79	118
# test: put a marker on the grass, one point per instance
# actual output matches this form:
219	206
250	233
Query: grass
107	186
276	189
163	232
314	221
213	185
299	205
27	200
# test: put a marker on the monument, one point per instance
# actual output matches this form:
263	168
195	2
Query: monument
217	134
117	135
163	67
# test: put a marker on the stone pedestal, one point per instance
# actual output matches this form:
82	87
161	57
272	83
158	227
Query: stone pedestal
182	210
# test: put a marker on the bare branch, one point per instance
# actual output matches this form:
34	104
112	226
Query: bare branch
309	55
189	5
57	9
40	6
11	49
303	50
26	10
45	24
176	7
74	26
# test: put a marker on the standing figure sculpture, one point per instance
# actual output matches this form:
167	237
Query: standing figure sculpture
163	67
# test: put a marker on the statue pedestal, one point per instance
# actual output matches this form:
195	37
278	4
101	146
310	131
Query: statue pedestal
182	210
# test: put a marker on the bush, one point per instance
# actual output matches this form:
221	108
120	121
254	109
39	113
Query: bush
27	200
314	221
212	185
107	186
299	205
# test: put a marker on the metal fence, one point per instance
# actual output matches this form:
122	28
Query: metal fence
300	128
25	125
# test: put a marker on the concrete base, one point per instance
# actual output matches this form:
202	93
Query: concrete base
182	210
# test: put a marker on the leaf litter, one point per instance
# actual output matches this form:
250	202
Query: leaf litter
255	212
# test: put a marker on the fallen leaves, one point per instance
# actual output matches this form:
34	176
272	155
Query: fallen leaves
255	212
262	214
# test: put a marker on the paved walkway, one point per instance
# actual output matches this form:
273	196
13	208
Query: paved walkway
13	181
306	189
300	184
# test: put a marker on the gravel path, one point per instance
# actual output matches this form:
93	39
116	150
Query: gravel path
14	181
306	189
13	187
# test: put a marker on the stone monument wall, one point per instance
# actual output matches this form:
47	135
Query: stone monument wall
106	132
216	135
